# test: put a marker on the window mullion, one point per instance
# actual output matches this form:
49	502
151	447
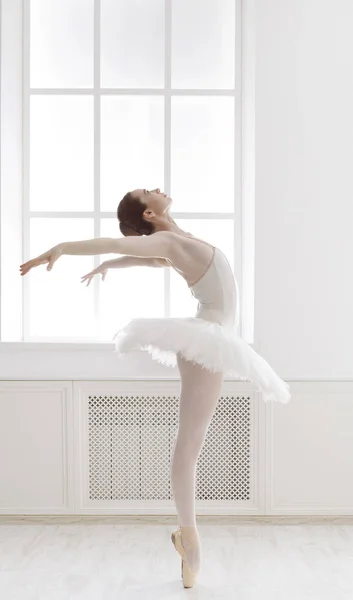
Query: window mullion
89	214
26	99
167	130
238	229
97	145
130	92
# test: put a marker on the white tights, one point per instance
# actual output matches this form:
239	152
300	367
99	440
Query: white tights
199	395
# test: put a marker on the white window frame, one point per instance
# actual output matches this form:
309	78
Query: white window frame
244	163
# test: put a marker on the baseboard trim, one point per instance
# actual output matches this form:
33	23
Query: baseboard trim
226	520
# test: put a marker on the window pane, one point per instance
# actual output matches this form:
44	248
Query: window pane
203	44
61	153
60	306
132	43
132	146
61	51
216	232
127	293
202	170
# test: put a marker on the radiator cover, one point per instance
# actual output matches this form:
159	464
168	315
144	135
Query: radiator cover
130	441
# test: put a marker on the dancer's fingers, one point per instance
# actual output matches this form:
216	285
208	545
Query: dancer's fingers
90	276
84	277
30	264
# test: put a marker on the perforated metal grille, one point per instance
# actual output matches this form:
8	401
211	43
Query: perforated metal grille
131	440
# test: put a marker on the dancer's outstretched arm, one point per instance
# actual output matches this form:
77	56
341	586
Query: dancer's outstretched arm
158	245
123	262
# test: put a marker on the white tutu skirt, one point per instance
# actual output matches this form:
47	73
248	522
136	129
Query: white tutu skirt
213	346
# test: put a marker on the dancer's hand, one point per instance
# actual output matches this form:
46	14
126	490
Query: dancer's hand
50	257
101	269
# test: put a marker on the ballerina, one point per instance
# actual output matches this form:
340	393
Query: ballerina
204	347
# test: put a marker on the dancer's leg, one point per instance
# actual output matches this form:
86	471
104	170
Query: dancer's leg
199	395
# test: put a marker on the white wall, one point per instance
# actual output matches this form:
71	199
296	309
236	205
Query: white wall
304	187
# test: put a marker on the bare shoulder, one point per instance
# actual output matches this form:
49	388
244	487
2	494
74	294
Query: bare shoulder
173	243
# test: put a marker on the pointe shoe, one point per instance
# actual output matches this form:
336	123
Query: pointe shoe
187	574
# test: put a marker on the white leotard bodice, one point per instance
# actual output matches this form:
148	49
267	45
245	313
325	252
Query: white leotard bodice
217	292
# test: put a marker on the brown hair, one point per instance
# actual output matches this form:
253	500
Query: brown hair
131	221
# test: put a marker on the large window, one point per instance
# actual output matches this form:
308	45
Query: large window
124	94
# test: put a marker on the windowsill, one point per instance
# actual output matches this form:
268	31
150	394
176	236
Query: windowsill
71	346
78	361
72	361
89	346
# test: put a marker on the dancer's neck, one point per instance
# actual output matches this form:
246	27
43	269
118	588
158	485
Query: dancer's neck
168	224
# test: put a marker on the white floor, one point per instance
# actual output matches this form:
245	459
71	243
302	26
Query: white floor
106	560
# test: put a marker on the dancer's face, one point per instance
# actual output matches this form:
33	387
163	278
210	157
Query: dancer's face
157	202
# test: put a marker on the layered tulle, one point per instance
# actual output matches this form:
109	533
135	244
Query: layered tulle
213	346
